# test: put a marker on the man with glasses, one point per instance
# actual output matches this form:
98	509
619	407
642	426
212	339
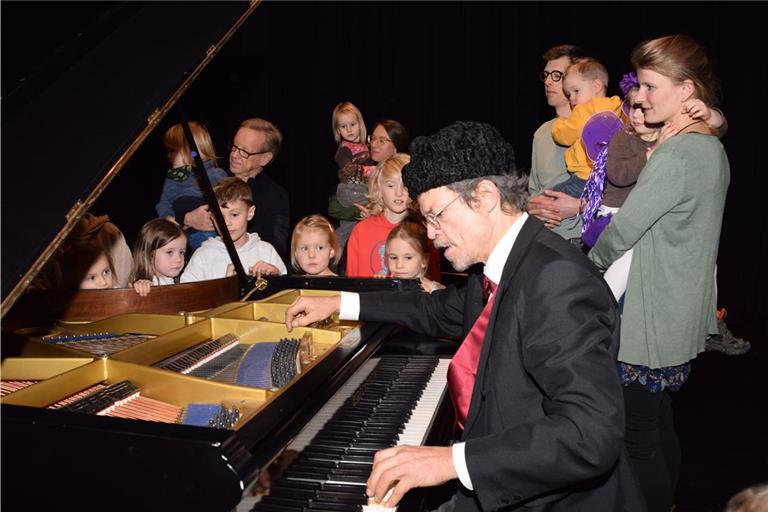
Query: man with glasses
255	145
534	383
557	210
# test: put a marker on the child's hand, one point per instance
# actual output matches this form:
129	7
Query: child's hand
364	210
142	287
697	109
172	219
429	285
262	268
230	270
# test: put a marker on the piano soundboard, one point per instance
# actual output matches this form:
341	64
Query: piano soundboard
389	401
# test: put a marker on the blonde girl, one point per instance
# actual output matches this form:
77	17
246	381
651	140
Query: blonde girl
314	248
158	255
389	204
354	163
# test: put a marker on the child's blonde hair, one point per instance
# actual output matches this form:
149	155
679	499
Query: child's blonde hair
153	235
751	499
233	189
348	107
415	234
392	167
590	69
319	223
175	142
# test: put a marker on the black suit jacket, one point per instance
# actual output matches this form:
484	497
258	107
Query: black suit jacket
272	219
546	421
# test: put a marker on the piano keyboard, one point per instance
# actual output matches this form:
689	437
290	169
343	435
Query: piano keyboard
389	401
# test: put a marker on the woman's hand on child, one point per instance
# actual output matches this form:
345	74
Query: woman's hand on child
199	219
230	270
262	268
364	210
142	287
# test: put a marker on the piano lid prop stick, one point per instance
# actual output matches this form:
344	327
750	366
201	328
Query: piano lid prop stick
246	282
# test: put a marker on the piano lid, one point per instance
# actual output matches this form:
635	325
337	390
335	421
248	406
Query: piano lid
65	145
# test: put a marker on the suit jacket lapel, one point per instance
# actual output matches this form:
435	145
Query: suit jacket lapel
528	232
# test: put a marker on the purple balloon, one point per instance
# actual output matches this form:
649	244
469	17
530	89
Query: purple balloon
598	131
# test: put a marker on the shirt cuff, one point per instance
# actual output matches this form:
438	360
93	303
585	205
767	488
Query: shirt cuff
350	306
460	464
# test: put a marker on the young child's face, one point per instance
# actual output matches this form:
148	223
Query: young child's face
99	276
236	215
404	261
348	127
169	259
637	116
313	252
394	195
578	88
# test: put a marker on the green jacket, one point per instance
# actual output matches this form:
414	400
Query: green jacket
672	218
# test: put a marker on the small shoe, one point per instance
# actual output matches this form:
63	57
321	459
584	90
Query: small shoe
726	342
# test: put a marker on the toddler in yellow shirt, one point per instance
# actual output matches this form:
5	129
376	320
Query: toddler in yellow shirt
585	84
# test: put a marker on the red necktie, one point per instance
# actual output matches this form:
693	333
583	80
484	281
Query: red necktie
463	367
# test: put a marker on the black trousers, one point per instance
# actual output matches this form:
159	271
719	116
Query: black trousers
652	445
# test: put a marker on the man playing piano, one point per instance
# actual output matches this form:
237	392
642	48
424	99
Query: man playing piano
534	383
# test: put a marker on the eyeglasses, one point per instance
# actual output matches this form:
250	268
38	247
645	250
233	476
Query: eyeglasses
433	219
243	153
380	140
556	76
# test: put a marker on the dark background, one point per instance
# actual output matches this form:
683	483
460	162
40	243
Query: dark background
428	64
425	64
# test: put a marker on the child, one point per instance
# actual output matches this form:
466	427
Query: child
408	253
211	260
158	255
181	191
585	83
354	160
389	204
628	152
314	247
98	275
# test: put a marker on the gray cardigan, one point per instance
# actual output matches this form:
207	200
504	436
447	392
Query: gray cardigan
672	218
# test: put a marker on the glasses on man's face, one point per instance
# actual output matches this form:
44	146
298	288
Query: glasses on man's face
245	155
378	140
556	76
433	219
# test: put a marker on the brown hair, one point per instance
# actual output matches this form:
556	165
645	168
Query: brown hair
175	142
590	69
319	223
416	235
153	235
390	168
68	267
396	132
233	189
679	57
563	50
348	107
273	136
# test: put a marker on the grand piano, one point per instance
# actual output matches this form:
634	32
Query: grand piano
287	444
